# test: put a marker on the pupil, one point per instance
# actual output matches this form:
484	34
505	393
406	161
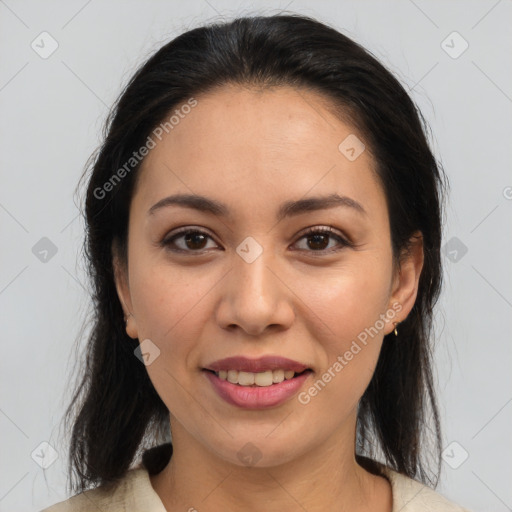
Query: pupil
317	239
193	237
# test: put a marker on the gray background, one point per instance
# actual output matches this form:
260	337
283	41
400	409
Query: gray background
52	110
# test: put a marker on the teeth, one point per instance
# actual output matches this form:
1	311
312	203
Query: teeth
246	378
277	376
262	379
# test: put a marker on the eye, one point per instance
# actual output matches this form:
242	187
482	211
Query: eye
187	240
317	239
193	240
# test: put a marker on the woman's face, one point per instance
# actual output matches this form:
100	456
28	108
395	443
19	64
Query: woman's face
250	282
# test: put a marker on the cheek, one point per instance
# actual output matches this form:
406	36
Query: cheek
351	308
339	388
170	309
346	301
165	298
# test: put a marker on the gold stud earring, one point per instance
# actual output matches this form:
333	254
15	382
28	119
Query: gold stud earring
395	324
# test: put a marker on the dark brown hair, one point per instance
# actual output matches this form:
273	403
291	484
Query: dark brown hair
115	411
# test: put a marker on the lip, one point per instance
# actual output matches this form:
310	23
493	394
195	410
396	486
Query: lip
249	397
261	364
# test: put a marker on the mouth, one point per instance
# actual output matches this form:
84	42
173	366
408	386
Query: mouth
257	379
257	390
248	383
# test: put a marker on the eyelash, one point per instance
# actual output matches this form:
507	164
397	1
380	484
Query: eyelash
317	230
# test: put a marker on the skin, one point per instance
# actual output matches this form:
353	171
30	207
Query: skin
253	150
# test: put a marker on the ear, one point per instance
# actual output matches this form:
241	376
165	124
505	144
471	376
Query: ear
406	280
123	290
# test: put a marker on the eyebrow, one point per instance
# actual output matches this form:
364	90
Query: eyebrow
287	209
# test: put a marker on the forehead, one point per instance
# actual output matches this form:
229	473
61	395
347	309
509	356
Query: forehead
244	144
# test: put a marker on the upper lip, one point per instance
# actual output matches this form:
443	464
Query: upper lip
260	364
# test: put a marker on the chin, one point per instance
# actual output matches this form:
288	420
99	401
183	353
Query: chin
256	451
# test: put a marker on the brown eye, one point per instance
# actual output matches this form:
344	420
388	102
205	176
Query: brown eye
318	240
194	240
190	240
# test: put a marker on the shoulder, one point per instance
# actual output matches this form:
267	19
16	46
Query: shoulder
134	492
409	495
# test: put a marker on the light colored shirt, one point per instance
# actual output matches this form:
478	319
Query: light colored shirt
135	494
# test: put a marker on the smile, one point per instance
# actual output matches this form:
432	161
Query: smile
262	379
257	396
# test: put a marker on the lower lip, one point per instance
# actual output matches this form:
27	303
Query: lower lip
257	397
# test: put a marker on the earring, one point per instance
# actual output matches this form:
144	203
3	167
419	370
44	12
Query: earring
126	319
395	324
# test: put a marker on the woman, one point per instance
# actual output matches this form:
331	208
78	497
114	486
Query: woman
263	231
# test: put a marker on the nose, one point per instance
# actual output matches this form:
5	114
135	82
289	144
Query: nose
255	297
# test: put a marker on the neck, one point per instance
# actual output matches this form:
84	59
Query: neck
324	479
